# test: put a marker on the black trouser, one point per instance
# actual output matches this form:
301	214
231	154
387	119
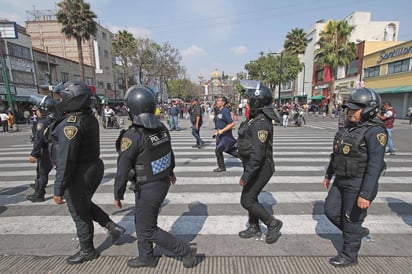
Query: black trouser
42	171
5	125
225	145
342	210
78	197
148	203
249	198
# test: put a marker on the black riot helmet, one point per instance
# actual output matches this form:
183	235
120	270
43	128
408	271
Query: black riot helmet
367	99
141	106
46	104
75	96
259	94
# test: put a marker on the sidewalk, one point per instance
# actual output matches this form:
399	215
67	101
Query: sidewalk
204	264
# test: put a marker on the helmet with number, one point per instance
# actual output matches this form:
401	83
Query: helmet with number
75	96
259	94
46	104
141	106
366	99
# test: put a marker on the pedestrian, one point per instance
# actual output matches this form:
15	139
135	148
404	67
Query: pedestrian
10	119
146	150
388	117
196	120
79	169
255	146
40	152
174	116
108	114
356	163
410	114
4	118
285	115
225	142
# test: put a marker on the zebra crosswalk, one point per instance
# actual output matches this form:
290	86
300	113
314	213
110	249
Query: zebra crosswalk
204	206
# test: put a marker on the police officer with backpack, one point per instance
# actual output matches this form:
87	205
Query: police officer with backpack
356	163
147	159
40	152
79	170
255	147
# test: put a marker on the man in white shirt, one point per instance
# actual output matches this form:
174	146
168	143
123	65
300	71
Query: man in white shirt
108	113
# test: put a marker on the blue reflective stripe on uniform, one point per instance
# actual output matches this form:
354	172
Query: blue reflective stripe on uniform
161	164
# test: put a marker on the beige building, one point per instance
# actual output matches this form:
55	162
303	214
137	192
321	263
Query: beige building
46	34
389	72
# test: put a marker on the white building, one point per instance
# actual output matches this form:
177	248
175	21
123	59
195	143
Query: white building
366	30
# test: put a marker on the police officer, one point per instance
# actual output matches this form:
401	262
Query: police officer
255	147
40	151
356	162
79	170
145	149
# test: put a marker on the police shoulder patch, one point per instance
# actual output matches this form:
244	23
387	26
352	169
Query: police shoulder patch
70	131
72	119
39	126
125	144
382	138
262	135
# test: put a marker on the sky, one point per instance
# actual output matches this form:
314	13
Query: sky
221	34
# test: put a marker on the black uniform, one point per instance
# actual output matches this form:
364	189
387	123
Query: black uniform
357	162
79	172
255	143
149	154
41	152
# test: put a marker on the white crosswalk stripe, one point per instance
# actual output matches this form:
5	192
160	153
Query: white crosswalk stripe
300	159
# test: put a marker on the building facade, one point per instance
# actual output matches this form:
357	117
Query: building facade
310	81
51	68
389	72
19	67
46	34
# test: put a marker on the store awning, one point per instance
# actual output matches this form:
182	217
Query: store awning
398	89
317	97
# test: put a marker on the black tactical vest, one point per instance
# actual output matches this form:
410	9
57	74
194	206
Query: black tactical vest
350	153
245	139
155	161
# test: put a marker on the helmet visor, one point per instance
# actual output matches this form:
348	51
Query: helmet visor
352	106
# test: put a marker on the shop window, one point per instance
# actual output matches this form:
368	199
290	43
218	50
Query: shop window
398	66
353	68
371	72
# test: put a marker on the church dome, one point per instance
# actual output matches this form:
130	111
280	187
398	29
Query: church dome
216	74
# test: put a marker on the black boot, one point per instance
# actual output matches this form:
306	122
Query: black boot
252	231
273	231
137	263
190	258
82	256
115	231
35	197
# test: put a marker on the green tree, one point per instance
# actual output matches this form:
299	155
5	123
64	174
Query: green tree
295	42
124	48
77	22
335	50
274	69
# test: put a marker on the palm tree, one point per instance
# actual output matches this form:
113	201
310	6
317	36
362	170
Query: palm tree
77	22
335	49
124	48
295	42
